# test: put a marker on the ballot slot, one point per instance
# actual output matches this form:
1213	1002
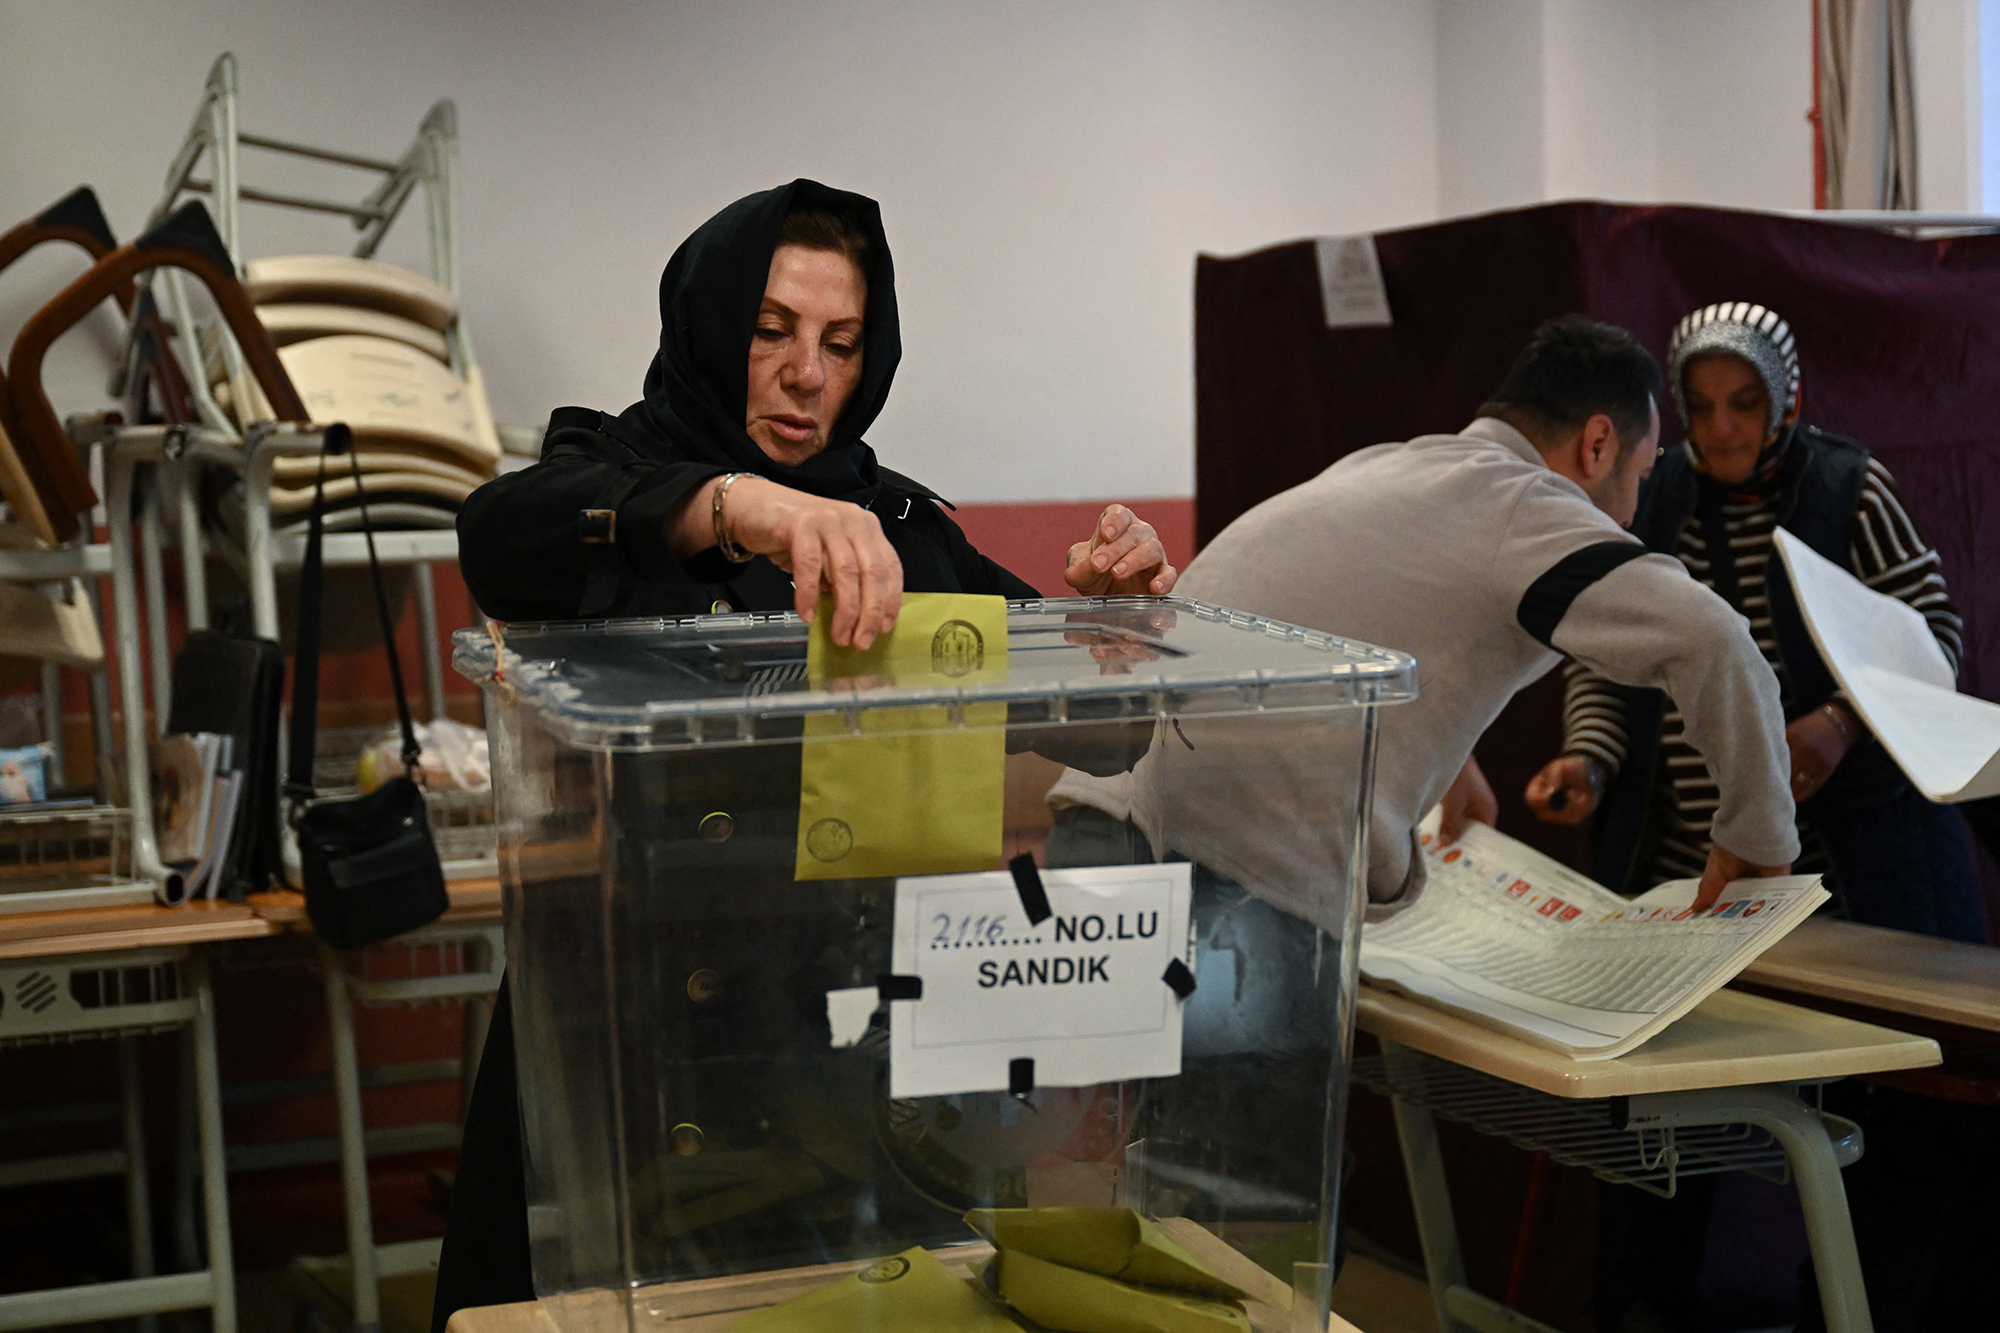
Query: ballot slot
1122	1034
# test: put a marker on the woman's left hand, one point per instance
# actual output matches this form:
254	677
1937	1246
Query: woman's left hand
1818	743
1124	557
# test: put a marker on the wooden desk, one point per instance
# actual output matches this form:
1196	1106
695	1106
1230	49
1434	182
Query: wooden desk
471	900
144	926
1733	1061
1729	1040
1888	970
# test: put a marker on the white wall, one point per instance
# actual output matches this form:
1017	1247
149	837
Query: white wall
1944	42
1987	104
1047	172
1491	150
1678	101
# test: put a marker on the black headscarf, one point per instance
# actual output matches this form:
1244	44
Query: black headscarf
709	298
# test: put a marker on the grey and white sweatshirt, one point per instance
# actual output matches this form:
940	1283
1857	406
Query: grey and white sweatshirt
1467	552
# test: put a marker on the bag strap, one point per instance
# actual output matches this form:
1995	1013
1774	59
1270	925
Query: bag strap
412	752
305	670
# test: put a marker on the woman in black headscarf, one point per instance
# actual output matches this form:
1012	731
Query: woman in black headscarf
740	482
778	343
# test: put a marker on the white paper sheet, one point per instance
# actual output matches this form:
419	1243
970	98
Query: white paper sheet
1890	666
1080	994
1511	938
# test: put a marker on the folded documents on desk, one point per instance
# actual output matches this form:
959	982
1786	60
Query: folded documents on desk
1511	939
1892	670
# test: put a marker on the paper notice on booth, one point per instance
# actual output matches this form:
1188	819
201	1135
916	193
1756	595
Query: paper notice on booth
1082	994
1351	289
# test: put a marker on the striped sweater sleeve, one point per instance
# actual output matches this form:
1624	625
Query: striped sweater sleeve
1593	717
1891	555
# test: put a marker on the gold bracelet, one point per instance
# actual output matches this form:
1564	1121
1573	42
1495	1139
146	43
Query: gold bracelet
1839	724
731	552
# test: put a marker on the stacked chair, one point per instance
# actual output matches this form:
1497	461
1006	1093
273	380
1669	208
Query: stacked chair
365	343
49	618
228	382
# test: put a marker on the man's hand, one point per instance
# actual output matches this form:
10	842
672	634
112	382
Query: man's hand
1469	798
1818	743
1124	557
1580	781
827	546
1724	866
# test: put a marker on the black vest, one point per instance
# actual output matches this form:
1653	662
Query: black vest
1819	491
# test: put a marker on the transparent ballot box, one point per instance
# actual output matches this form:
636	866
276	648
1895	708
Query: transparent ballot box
1002	973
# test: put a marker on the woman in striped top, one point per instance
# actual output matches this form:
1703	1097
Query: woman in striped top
1747	467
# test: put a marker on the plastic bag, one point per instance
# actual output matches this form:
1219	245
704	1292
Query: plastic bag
455	756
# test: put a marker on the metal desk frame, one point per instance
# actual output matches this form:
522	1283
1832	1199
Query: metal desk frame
59	1011
1648	1140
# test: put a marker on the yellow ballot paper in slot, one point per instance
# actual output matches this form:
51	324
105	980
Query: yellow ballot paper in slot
1073	1301
1111	1242
915	791
909	1292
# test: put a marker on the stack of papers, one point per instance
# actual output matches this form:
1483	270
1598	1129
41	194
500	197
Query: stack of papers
1508	938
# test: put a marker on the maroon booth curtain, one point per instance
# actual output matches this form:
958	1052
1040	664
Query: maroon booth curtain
1899	343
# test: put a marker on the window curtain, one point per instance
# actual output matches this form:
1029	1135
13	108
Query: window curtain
1867	120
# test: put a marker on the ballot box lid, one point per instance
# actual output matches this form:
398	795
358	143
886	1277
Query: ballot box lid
742	679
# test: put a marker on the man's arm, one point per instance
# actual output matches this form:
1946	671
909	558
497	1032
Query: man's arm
1645	622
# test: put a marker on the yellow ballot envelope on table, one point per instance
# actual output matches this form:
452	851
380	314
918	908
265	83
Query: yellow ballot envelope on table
1109	1242
909	1292
917	790
1073	1301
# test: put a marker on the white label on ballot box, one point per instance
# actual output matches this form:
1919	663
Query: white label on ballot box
1082	994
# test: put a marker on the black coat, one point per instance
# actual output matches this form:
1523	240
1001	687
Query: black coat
530	548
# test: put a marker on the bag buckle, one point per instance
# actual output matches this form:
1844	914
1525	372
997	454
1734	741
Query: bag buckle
597	527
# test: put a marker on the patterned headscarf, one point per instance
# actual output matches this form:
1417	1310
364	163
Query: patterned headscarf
1738	328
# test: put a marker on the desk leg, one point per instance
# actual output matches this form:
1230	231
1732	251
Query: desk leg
138	1200
1437	1229
214	1166
353	1144
1822	1197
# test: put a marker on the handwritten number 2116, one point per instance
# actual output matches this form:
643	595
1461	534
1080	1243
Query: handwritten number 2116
955	932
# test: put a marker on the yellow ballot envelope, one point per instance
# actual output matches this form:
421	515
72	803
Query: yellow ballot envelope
1110	1242
915	791
909	1292
1073	1301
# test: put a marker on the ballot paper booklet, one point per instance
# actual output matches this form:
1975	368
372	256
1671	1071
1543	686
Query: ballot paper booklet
1508	938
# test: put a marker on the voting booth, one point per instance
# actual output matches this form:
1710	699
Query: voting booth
1004	972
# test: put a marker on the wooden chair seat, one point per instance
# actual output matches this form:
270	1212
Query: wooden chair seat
295	322
345	280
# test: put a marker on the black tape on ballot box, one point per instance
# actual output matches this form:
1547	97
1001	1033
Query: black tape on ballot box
1028	883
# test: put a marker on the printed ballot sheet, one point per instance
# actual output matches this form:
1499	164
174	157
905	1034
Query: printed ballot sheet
1082	993
1510	938
1889	664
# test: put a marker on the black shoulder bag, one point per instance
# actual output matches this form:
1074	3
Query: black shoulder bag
370	868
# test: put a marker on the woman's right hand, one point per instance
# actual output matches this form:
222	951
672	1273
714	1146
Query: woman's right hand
827	546
1579	780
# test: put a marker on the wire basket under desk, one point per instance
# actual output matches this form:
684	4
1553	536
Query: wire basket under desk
54	857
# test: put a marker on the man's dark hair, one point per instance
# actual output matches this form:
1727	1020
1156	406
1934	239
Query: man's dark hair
1574	369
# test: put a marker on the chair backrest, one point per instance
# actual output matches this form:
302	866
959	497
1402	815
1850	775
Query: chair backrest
186	240
78	219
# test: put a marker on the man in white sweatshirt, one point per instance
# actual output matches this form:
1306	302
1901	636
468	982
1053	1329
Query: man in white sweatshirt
1488	555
